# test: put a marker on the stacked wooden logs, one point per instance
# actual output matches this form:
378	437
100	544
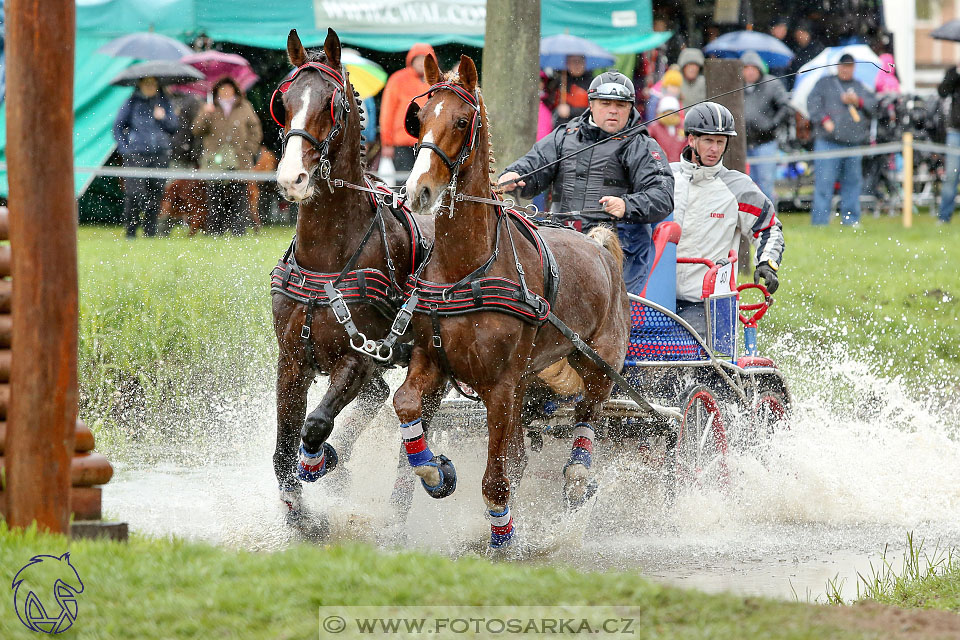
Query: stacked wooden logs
88	469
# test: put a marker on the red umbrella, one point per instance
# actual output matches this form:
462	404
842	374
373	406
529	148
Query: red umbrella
215	65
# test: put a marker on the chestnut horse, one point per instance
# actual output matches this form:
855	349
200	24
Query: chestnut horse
322	169
496	353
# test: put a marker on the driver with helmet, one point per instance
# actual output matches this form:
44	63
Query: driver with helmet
627	177
714	206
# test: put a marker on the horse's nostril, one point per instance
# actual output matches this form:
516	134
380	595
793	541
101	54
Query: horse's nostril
301	178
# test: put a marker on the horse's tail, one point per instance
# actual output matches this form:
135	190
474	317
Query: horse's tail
608	238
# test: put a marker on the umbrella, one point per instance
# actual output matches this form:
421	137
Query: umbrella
865	73
366	76
165	71
947	31
555	49
734	44
145	46
216	65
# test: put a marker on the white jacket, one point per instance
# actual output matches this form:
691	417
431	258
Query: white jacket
714	206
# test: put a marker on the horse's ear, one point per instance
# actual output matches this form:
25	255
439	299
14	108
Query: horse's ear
468	73
295	50
430	70
331	46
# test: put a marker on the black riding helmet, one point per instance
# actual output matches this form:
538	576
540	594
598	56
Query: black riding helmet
612	85
709	119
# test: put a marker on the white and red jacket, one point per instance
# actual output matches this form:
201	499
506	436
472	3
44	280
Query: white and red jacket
714	206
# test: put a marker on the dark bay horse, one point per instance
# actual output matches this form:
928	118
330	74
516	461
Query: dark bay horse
346	245
480	254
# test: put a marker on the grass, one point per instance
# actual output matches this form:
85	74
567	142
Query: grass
924	580
889	293
152	588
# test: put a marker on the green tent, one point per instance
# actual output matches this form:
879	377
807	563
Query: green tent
620	26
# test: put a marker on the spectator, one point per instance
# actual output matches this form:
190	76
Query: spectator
694	87
887	82
396	145
629	178
669	85
143	130
574	102
765	109
715	206
230	135
369	133
780	30
186	148
666	130
807	48
950	88
841	108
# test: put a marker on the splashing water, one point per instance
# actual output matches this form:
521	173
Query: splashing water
865	461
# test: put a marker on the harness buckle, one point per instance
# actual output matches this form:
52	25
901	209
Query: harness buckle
305	332
402	321
437	342
340	310
399	195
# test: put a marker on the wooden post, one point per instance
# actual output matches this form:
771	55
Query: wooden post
907	179
43	235
511	80
723	76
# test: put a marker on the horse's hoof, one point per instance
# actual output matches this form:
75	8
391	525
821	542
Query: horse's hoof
579	486
292	496
311	468
448	478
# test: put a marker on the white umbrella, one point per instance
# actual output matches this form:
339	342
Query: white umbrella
865	73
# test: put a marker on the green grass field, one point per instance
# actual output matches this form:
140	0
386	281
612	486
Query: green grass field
170	589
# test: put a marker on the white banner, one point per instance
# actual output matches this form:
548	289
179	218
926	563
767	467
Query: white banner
466	17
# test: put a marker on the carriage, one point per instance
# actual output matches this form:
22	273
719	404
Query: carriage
716	387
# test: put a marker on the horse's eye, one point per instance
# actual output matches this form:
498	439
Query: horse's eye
462	123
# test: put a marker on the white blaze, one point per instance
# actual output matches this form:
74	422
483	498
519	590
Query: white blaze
291	164
422	164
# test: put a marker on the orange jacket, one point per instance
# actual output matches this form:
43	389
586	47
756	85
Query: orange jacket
400	88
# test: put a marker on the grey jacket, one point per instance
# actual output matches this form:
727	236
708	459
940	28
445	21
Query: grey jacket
824	102
765	105
633	168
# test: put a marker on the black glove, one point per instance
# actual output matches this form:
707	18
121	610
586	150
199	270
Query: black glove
769	276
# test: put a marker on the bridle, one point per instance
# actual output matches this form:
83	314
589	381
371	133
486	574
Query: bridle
339	111
412	126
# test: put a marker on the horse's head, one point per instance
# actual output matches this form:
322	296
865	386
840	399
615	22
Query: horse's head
315	103
447	132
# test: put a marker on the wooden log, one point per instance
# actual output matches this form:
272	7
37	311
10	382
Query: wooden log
86	503
4	260
43	228
6	294
86	469
6	330
84	438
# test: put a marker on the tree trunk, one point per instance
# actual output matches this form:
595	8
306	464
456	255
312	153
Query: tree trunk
511	77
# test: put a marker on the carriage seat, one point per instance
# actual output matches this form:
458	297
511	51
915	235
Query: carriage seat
655	335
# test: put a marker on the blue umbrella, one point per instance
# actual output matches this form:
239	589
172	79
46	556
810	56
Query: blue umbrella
555	49
734	44
866	70
146	46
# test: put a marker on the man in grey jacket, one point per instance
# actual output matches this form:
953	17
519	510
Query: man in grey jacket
694	87
625	179
765	109
840	108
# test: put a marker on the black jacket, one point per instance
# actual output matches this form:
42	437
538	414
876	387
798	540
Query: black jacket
950	88
765	108
633	168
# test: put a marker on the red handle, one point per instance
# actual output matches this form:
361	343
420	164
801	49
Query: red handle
758	308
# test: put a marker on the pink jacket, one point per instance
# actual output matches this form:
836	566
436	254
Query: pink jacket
887	82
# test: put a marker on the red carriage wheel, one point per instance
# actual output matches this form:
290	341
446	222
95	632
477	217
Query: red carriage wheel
702	442
770	413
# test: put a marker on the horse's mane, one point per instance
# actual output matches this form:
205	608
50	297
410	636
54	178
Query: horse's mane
453	77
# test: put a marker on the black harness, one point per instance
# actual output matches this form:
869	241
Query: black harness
353	286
